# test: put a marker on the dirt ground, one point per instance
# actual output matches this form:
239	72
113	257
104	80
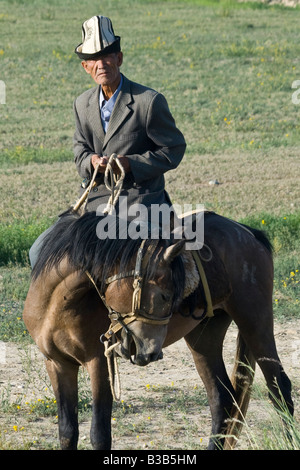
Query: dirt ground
23	372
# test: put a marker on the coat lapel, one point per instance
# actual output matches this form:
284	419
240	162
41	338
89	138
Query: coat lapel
93	115
120	111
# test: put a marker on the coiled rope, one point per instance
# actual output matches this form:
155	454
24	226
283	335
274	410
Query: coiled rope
113	182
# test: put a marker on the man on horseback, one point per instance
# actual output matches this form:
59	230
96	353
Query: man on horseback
120	117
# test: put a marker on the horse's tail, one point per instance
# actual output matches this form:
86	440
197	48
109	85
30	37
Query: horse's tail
242	379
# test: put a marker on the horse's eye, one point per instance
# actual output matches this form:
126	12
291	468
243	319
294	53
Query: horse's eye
166	297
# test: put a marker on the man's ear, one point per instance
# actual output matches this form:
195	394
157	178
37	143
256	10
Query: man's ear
86	67
120	58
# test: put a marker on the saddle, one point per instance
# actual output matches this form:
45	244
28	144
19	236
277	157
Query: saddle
215	274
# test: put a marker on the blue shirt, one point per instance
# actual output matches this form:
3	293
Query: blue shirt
106	107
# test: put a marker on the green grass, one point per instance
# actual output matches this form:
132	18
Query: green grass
283	231
17	238
24	155
213	60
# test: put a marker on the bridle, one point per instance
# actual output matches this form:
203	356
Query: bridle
121	320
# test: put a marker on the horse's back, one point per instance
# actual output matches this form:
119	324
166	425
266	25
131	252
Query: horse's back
233	237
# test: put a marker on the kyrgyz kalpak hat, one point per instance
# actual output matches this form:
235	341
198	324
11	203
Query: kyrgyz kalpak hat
98	38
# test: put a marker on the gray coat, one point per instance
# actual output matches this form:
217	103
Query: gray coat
140	127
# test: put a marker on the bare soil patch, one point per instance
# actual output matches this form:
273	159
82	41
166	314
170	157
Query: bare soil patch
145	419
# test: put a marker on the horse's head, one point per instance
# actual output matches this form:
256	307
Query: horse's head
141	302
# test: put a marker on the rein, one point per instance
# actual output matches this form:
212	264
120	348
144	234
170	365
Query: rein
113	182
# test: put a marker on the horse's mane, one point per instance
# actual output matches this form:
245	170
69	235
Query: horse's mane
75	237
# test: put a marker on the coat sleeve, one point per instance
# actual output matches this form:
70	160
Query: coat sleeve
168	143
82	150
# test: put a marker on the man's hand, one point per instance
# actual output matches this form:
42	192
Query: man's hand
102	161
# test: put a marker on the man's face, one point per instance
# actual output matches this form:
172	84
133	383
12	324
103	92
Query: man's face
105	69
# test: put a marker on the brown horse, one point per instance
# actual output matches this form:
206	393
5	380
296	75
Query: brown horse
79	279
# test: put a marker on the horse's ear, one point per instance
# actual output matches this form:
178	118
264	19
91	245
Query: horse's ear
173	250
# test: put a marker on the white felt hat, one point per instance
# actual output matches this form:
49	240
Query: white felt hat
98	38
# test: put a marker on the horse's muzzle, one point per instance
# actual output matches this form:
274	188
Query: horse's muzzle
128	349
144	360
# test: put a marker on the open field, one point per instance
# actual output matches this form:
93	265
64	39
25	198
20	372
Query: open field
227	71
163	407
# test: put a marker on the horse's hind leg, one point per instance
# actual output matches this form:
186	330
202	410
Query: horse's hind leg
63	377
279	385
206	344
256	327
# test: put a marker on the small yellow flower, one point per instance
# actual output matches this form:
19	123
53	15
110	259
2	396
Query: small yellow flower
15	428
263	222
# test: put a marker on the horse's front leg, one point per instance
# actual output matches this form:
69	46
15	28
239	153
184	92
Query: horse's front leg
63	377
205	343
102	403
